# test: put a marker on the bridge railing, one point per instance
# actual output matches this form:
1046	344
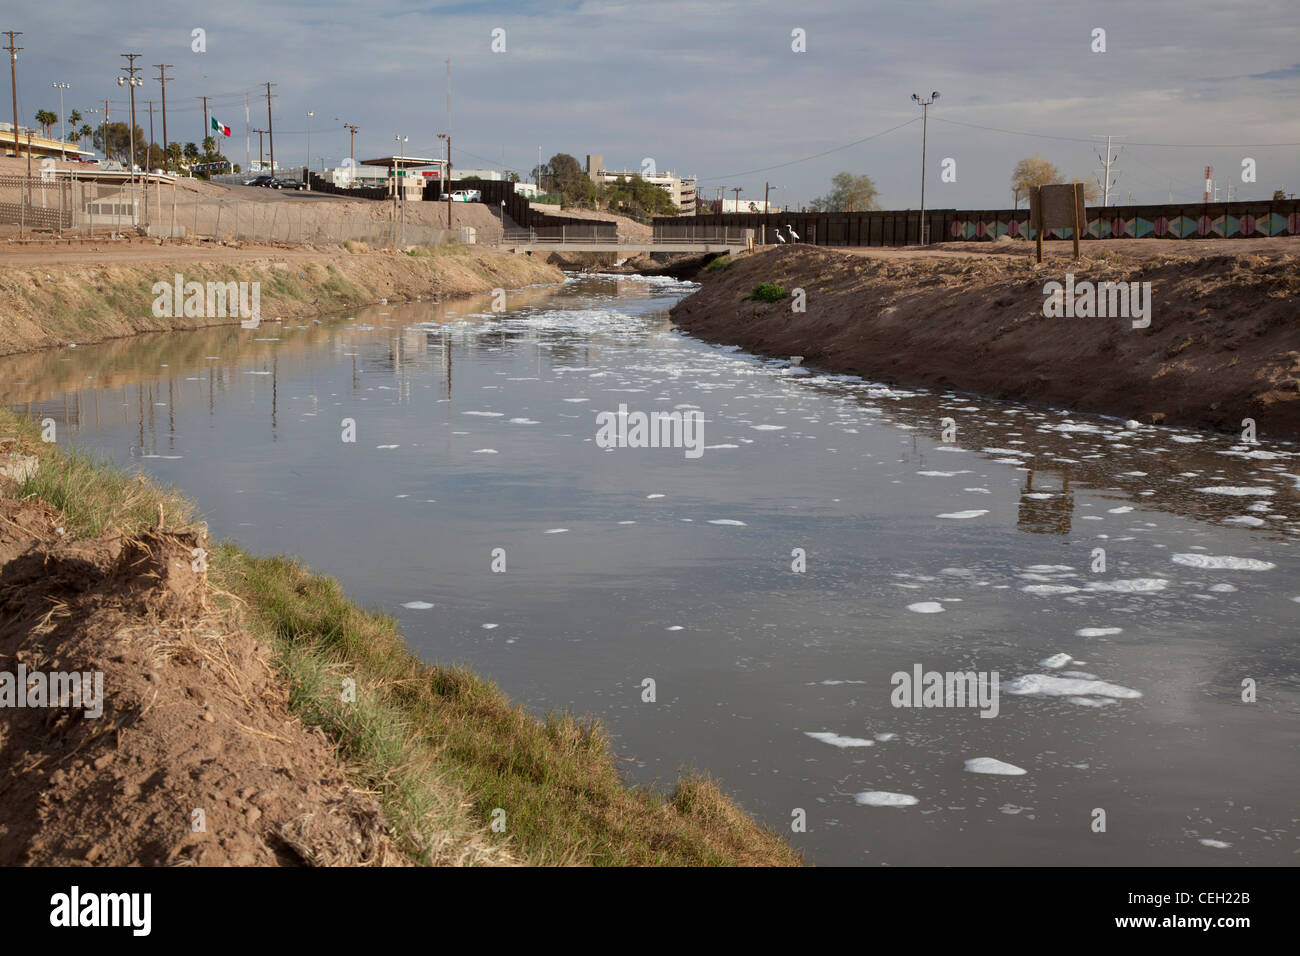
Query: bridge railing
529	237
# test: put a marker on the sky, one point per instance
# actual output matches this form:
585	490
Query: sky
715	88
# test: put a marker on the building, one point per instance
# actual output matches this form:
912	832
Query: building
747	205
681	188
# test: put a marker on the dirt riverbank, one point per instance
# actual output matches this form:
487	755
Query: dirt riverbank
1223	342
78	293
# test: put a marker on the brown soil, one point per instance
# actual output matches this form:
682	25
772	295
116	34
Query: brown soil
193	719
1223	345
84	292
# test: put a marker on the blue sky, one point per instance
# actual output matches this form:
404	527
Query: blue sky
713	88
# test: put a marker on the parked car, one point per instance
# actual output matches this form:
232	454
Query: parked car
268	181
288	183
467	195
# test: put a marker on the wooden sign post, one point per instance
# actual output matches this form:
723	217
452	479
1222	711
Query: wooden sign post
1055	206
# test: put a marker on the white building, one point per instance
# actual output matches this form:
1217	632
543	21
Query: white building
680	188
749	205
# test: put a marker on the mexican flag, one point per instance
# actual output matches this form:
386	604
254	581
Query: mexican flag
218	128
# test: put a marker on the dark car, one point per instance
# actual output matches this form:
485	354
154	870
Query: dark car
287	183
261	181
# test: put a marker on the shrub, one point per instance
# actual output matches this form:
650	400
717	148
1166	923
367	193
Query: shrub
769	292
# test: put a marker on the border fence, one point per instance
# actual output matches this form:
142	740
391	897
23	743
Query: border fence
1223	220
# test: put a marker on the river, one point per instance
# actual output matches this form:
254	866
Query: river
1135	590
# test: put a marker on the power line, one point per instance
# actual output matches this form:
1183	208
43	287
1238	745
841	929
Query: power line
1076	139
805	159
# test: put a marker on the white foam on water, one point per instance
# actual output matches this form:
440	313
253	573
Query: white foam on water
523	421
1249	521
490	627
727	521
1221	562
767	428
883	798
1040	495
1216	844
654	496
388	446
1049	589
835	740
1121	510
992	765
1081	675
961	515
885	738
944	474
1055	661
926	607
1098	631
1090	701
1131	585
674	627
1222	588
1235	491
484	451
978	491
418	605
1044	685
555	531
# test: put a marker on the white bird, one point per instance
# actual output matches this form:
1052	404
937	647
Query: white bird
779	237
793	234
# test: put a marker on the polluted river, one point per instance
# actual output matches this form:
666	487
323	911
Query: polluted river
899	626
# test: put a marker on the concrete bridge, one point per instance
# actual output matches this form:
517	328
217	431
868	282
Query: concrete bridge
622	246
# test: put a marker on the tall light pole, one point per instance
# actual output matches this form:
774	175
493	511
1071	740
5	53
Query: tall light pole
310	114
63	131
767	191
925	104
132	81
446	175
401	151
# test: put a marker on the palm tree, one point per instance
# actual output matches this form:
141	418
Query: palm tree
45	119
209	145
191	152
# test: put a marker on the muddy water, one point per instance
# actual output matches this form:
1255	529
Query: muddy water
1129	587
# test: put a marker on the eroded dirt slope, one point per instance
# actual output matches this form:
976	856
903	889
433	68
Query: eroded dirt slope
193	719
1223	343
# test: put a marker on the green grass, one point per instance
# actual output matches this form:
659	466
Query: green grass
721	264
768	292
442	747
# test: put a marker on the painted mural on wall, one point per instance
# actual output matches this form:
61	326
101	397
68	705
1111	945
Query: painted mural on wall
1243	226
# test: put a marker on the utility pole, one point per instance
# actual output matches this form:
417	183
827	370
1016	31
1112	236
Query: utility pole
259	133
63	130
737	190
149	160
206	134
925	106
307	176
131	81
13	80
1106	163
446	185
270	129
352	152
1209	173
105	129
162	78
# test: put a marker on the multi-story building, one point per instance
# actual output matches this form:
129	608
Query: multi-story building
680	188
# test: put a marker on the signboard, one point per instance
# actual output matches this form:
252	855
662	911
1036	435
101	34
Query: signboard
211	167
1059	205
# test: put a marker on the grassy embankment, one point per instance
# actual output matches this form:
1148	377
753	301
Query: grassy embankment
442	747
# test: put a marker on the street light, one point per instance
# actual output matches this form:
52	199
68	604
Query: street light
63	131
924	107
401	149
310	114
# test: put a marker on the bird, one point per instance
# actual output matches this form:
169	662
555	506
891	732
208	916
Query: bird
793	234
779	237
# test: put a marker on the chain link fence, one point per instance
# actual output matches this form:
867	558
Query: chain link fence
35	208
